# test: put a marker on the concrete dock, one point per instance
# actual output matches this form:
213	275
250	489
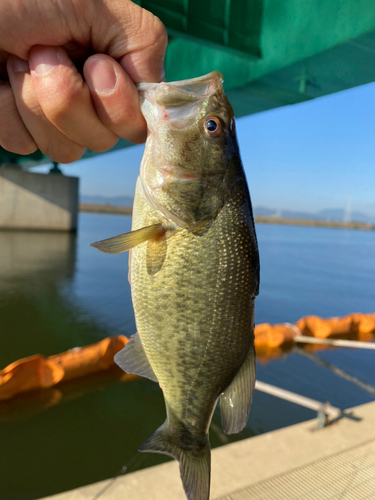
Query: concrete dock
295	462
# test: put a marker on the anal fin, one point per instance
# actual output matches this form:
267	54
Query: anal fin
235	401
132	359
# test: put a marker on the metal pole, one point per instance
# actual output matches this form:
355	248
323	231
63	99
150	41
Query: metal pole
312	404
336	342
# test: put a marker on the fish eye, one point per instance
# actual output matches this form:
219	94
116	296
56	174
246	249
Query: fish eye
212	126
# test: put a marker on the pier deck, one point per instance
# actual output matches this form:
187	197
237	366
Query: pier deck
294	462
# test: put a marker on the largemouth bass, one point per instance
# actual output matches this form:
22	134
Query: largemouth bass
194	271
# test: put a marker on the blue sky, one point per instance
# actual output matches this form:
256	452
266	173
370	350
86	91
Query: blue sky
306	157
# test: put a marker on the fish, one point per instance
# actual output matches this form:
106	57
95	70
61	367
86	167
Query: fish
194	271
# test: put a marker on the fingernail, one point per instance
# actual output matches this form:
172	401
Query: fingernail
44	60
20	65
102	76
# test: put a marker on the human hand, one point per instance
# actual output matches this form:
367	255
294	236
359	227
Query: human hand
45	102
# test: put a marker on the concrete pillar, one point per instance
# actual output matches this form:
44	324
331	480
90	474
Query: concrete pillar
37	201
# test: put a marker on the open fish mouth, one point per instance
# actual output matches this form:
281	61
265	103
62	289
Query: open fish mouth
179	102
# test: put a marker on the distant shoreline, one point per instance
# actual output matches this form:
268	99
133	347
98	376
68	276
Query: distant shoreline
104	209
260	219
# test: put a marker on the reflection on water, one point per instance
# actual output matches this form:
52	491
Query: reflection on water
25	405
36	317
32	267
56	293
24	255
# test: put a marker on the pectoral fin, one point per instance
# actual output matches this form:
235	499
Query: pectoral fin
156	254
132	359
235	401
124	242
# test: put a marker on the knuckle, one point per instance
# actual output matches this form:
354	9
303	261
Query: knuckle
155	29
133	132
160	33
60	104
14	136
65	155
118	119
104	145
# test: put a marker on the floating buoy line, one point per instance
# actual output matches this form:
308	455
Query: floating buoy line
354	330
38	372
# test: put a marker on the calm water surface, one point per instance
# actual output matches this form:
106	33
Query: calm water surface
56	293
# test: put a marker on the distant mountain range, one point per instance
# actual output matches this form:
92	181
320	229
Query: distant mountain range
328	214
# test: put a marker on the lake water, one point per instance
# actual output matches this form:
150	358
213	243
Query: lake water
56	293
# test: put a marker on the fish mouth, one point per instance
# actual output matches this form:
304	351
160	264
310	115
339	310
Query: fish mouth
179	102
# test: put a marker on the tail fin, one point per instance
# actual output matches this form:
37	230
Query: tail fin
195	465
196	474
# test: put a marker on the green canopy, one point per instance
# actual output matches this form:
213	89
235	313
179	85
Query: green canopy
271	52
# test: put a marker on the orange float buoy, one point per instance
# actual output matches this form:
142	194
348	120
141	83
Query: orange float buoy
38	372
276	337
271	336
362	325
